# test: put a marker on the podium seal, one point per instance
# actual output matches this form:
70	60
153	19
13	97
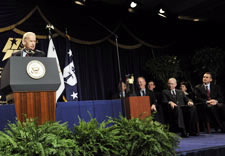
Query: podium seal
36	69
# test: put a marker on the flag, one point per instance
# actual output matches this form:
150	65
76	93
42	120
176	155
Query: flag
69	75
52	53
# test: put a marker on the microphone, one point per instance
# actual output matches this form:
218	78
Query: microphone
39	51
32	52
29	52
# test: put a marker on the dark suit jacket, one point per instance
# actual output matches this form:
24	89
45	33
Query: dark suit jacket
201	94
117	95
37	53
148	93
180	99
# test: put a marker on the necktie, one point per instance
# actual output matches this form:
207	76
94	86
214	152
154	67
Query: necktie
207	91
122	94
143	93
173	93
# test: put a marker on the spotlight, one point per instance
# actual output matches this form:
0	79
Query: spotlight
131	10
162	13
133	4
80	2
189	18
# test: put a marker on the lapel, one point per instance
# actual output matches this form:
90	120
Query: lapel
172	97
203	89
212	90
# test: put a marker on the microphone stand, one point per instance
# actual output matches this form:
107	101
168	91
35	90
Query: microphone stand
118	61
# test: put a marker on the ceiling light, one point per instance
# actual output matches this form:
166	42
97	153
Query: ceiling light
133	4
131	10
161	11
162	15
196	19
189	18
80	2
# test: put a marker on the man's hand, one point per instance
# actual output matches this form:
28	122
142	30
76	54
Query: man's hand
153	108
212	102
190	103
172	104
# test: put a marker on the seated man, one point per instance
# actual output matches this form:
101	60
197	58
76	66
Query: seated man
210	103
158	100
121	93
177	101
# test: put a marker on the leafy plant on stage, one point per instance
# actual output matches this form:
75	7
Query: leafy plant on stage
96	138
209	59
115	137
163	67
144	137
28	138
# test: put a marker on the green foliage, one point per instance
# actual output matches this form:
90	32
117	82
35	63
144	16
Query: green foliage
164	67
209	59
144	137
117	136
96	138
29	139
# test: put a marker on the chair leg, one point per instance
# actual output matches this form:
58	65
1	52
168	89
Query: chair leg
198	128
208	127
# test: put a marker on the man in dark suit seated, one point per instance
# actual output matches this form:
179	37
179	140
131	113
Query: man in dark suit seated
121	93
29	50
176	101
159	116
210	103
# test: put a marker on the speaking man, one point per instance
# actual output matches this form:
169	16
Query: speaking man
29	43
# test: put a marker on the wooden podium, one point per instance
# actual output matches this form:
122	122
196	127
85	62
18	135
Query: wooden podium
138	107
34	97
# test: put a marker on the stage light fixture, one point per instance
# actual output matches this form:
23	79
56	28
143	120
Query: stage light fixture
80	2
189	18
133	4
162	13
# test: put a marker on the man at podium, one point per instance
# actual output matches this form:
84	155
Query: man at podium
143	91
29	42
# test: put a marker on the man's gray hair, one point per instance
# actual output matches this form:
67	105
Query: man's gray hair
27	34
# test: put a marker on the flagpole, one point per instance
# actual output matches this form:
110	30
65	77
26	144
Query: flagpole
52	53
117	47
49	27
118	60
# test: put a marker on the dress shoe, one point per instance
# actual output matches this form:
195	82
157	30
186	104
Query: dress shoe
194	134
184	134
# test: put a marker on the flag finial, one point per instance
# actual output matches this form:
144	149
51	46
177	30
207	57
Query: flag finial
49	27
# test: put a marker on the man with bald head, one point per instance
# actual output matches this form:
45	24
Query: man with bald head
29	44
177	101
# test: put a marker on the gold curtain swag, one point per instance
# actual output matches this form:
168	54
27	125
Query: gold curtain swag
78	41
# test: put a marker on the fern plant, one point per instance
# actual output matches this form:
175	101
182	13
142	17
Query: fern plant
30	139
144	137
117	136
96	138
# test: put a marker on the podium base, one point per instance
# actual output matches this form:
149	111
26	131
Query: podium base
38	105
138	107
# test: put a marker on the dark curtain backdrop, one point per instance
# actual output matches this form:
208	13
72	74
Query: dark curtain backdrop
96	64
140	38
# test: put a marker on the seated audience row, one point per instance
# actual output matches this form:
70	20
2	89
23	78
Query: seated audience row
185	110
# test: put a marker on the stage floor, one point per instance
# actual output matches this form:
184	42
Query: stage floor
204	142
